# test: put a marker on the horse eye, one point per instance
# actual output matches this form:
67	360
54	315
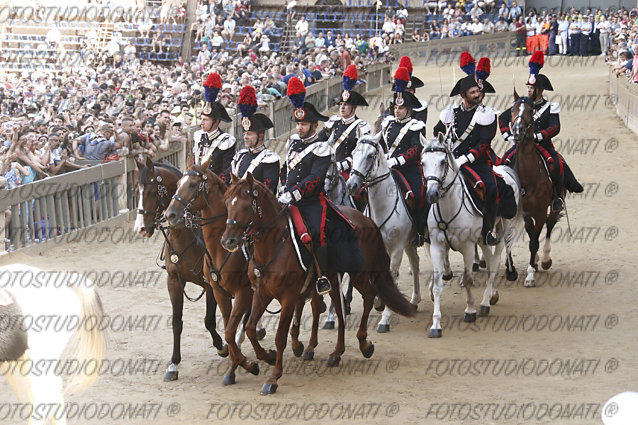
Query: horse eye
192	184
442	163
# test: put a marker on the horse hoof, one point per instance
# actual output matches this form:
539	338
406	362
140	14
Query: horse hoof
228	379
485	311
546	264
469	317
529	283
475	267
511	276
494	299
268	389
322	307
308	355
482	264
333	361
261	334
297	350
367	352
347	309
451	275
329	325
170	376
254	369
535	267
383	328
223	352
435	333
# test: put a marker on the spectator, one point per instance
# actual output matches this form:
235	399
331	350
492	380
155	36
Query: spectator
302	26
604	29
98	145
501	25
229	28
515	12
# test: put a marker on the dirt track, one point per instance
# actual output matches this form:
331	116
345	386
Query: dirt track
568	345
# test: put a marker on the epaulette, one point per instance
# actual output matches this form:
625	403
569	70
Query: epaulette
554	108
322	149
331	121
416	125
485	115
270	157
386	121
447	115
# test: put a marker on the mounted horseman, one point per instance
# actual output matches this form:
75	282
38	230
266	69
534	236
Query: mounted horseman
401	140
420	113
211	143
302	177
344	130
546	126
471	127
256	158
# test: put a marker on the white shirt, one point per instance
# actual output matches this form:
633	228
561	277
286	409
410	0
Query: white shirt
586	27
302	27
603	27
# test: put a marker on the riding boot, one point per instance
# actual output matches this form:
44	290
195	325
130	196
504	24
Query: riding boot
571	183
321	255
489	218
557	203
420	223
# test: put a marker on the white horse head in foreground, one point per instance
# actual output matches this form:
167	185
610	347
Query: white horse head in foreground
47	318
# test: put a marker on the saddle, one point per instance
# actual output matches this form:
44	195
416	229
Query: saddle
476	189
406	192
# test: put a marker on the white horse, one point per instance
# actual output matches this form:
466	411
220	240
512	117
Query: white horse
72	327
387	209
454	222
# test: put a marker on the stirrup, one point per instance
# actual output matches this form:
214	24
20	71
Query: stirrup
323	286
490	239
558	205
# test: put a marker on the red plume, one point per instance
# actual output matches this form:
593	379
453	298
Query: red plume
465	59
402	74
213	80
538	58
483	65
406	63
295	86
351	72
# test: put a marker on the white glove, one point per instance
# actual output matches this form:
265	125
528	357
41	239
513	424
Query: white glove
461	160
392	162
285	198
343	165
538	136
510	138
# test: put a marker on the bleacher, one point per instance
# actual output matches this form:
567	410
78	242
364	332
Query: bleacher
22	41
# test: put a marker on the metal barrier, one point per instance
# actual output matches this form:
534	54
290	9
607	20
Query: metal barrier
624	95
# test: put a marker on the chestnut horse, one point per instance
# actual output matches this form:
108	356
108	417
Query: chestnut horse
183	253
201	190
536	186
254	214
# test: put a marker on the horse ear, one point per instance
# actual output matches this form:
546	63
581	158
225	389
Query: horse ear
204	165
233	178
516	96
139	164
249	179
441	137
149	164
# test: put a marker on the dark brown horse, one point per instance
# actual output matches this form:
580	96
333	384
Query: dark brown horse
536	186
183	253
201	190
254	214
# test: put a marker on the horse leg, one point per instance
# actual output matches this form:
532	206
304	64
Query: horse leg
475	263
309	353
413	257
437	253
209	322
46	390
256	312
335	357
288	305
490	295
533	251
467	282
348	297
297	346
367	292
546	259
510	270
395	263
177	304
330	318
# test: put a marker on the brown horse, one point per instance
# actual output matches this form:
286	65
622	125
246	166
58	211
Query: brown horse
536	186
183	253
254	214
201	190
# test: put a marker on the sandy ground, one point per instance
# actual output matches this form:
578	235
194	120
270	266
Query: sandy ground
551	354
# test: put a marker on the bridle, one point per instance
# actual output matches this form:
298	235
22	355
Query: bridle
162	196
441	180
519	120
192	220
365	177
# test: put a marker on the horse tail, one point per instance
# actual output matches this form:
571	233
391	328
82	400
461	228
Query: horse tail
92	339
384	282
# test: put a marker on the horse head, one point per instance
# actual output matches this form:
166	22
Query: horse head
437	161
333	184
249	204
368	160
193	191
522	118
156	184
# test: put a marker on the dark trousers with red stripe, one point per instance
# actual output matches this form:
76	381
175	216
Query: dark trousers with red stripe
483	171
313	211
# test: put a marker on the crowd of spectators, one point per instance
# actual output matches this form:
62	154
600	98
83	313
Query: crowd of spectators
622	54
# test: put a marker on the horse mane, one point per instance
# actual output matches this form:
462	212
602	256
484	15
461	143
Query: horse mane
241	185
161	165
215	180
